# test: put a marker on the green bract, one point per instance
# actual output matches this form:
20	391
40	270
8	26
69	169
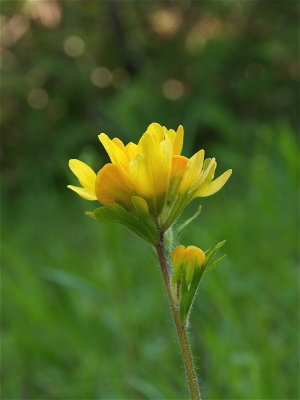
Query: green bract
138	220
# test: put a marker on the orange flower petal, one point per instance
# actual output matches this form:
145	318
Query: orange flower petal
111	186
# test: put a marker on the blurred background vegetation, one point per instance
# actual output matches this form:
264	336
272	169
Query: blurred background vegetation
84	310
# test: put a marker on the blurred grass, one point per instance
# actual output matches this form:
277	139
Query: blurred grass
84	313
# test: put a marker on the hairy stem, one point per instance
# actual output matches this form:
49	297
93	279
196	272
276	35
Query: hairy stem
181	330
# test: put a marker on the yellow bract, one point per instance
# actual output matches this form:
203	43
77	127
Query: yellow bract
86	177
185	261
189	255
145	167
152	169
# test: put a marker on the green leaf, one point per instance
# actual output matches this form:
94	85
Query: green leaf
184	298
132	222
178	274
209	264
103	214
213	265
91	214
211	254
188	296
188	221
176	210
144	218
136	220
141	207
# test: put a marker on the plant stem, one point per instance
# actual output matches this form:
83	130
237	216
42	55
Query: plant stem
181	331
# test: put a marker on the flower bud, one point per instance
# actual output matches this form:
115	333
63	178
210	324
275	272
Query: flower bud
186	261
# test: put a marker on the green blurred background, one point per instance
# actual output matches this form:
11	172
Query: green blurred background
84	311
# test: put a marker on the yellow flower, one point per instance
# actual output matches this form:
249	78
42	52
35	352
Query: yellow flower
186	260
153	170
145	167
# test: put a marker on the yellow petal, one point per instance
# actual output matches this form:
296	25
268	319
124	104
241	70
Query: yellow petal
193	172
169	135
156	131
157	161
174	138
84	193
193	252
84	173
141	179
209	167
178	258
178	254
210	188
179	164
178	142
118	142
111	186
116	151
132	150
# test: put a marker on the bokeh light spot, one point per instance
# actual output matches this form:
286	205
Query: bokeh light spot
38	98
101	77
47	12
210	26
13	29
173	89
166	21
195	41
74	46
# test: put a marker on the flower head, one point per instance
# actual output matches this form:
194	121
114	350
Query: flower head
144	168
153	170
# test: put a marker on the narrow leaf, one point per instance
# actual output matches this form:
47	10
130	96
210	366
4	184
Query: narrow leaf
211	253
188	221
213	265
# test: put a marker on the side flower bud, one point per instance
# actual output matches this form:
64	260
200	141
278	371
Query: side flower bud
187	272
187	261
194	261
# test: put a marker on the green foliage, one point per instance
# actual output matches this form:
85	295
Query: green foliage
189	220
210	263
84	310
140	221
